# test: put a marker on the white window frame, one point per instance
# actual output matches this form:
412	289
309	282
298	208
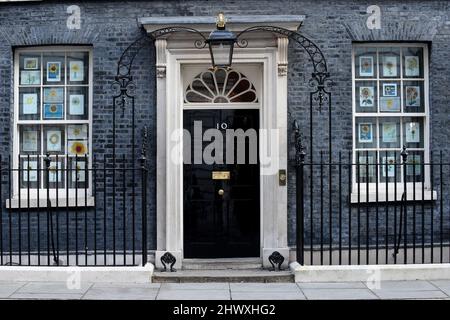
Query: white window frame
76	195
360	195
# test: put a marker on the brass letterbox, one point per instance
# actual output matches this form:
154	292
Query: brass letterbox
221	175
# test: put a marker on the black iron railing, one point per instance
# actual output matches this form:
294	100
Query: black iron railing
89	215
383	212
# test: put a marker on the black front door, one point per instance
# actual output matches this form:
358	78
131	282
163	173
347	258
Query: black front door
221	201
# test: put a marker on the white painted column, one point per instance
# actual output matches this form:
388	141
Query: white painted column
275	214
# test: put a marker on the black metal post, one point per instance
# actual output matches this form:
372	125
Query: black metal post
300	164
143	163
404	155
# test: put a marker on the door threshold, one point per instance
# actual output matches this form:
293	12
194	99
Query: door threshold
222	263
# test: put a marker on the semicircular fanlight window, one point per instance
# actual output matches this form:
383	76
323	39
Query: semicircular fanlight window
221	86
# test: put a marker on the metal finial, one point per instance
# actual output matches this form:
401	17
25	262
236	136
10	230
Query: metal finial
404	154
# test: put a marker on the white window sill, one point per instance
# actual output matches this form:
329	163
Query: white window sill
428	195
26	203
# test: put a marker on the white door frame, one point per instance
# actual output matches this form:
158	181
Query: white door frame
273	115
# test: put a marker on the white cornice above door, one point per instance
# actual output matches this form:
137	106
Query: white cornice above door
235	23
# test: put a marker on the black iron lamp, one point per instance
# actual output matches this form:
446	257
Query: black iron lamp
221	43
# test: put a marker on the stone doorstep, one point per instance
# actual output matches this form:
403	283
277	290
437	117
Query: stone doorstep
235	276
222	264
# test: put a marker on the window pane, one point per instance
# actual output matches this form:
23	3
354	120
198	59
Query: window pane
390	96
54	139
390	168
77	68
366	96
77	136
54	68
414	167
77	103
53	106
389	62
389	132
365	166
55	175
413	62
365	62
30	69
78	173
413	93
29	172
29	103
30	139
413	132
366	133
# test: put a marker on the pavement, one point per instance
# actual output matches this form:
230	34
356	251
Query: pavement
437	289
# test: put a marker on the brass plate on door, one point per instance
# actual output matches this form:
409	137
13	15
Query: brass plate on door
221	175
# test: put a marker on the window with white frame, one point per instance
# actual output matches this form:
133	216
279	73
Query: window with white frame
52	115
390	110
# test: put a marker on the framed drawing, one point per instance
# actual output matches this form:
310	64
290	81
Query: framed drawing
366	96
78	171
30	77
53	95
389	89
365	133
390	66
54	140
412	66
30	173
29	141
388	104
76	69
78	147
53	111
412	132
31	63
366	66
363	161
77	132
389	164
76	104
55	172
413	166
30	102
412	96
53	71
389	130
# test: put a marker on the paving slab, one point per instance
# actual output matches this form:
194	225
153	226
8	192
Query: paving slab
277	295
120	293
412	285
443	285
193	295
47	296
332	285
126	285
196	286
338	294
53	288
414	294
262	287
8	288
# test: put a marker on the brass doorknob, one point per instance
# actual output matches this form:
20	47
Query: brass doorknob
220	192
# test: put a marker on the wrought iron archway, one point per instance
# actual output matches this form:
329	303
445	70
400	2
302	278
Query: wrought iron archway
319	95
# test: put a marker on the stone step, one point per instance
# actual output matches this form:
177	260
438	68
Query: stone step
251	275
222	264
